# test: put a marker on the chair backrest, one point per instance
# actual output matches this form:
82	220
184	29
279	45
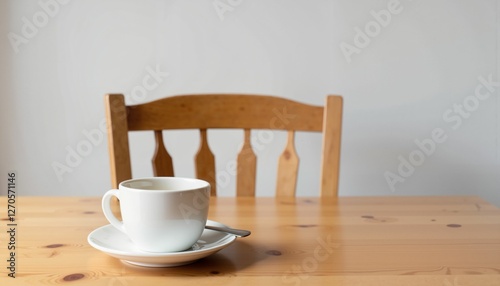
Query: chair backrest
242	111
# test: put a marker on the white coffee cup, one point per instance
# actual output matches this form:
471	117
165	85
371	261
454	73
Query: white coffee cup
160	214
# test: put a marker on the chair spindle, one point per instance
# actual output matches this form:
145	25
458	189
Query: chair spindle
205	163
288	166
162	162
246	168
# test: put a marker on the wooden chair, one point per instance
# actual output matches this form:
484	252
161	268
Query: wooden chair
205	111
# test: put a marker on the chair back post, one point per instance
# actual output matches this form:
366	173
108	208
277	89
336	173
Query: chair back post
330	159
118	146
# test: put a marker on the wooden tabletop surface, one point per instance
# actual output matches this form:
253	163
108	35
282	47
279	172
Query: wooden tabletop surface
446	241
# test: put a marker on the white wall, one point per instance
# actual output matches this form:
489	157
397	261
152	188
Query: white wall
398	83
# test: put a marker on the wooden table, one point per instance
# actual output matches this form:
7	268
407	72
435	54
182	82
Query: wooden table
446	241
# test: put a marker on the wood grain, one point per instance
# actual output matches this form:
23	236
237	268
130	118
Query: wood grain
298	241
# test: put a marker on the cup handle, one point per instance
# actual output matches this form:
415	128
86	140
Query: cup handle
106	208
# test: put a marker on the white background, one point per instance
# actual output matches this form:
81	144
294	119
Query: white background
422	62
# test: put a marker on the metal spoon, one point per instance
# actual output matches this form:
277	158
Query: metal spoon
237	232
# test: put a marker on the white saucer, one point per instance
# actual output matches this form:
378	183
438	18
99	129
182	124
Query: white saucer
113	242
